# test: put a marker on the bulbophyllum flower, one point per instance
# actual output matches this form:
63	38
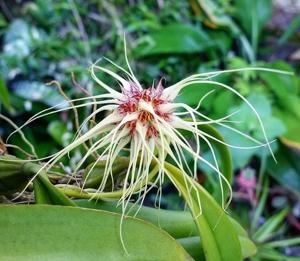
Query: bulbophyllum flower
148	124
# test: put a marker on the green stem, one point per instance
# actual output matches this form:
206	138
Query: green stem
76	192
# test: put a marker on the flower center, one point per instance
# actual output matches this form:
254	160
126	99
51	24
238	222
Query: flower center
135	101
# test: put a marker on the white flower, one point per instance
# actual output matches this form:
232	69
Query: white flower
148	123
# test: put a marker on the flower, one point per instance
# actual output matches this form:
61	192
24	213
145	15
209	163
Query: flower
148	122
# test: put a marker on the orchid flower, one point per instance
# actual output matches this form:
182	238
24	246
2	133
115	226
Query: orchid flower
148	123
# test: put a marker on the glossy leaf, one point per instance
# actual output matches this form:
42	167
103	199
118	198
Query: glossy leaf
178	224
219	238
192	246
65	233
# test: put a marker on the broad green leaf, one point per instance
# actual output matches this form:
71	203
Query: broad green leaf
280	84
66	233
174	38
193	246
218	235
178	224
248	247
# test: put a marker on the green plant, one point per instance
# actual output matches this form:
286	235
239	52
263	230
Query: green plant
55	42
148	123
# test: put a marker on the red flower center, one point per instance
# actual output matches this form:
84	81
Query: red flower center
131	104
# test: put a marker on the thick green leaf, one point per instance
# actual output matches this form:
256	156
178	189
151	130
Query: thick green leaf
248	247
174	38
178	224
46	193
40	193
219	237
192	246
66	233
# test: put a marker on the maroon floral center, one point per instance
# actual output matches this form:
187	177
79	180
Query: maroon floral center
131	104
